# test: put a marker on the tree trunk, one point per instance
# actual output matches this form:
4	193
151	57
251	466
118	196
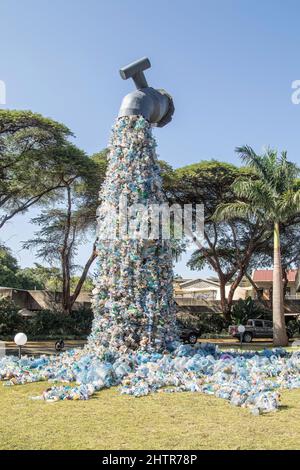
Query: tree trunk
279	329
83	275
285	282
224	305
66	286
65	256
233	288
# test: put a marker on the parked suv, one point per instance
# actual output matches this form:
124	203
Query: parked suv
188	334
255	329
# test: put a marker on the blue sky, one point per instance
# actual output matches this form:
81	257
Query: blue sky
229	65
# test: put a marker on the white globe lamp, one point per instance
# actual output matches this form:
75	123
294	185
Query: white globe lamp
20	339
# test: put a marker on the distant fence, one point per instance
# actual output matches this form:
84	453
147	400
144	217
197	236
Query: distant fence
36	300
2	349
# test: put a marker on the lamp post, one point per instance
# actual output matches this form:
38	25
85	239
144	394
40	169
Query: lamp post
241	330
20	339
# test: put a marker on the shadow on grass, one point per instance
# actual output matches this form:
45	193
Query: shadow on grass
285	408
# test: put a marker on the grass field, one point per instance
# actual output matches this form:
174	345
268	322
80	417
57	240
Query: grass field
159	421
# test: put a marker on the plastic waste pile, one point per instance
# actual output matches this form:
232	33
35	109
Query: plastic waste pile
133	343
246	379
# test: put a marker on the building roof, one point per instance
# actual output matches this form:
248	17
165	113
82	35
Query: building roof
199	280
266	275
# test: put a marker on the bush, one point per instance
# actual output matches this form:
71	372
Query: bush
207	323
11	322
243	310
294	327
82	321
49	323
213	323
52	324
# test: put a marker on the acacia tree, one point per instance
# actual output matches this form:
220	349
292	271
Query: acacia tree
57	243
271	197
69	223
228	246
30	160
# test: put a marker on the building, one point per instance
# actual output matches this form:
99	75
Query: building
204	296
206	289
263	279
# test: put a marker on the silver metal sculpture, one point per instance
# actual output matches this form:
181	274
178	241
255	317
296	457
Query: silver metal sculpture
154	105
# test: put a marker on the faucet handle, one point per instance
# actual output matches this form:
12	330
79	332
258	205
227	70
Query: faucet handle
135	70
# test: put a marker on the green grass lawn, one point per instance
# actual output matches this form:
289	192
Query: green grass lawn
158	421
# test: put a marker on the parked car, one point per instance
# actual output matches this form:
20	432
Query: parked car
188	334
255	328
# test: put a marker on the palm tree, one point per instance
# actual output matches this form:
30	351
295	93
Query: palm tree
271	197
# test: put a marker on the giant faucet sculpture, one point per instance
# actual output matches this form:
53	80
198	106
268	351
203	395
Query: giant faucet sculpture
133	297
133	340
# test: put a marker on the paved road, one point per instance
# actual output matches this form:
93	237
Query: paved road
47	347
41	347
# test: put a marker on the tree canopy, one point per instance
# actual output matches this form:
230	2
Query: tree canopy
227	246
35	157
